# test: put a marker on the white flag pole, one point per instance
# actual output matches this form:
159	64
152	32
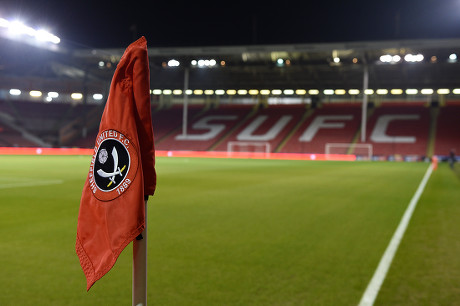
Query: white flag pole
140	266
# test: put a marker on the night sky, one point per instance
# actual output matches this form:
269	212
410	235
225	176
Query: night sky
109	24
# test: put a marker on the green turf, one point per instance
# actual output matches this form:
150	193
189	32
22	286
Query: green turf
227	232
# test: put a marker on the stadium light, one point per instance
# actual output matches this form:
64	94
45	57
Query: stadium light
173	63
388	58
167	92
76	96
328	92
427	91
369	92
340	92
242	92
15	92
220	92
98	96
209	92
300	92
353	92
396	91
313	92
443	91
189	92
265	92
18	30
177	92
413	58
288	92
231	92
53	94
35	93
456	91
277	92
253	92
198	92
382	91
411	91
156	91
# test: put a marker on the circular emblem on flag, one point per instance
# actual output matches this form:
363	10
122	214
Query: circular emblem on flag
114	165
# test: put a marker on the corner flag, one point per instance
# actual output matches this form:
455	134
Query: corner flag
122	169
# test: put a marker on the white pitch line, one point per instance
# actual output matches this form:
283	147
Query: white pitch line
30	184
380	273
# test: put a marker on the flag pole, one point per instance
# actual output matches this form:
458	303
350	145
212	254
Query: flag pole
140	266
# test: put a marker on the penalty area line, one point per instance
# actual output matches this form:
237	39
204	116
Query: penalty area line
380	273
30	184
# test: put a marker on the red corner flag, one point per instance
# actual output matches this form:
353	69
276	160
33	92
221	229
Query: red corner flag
122	170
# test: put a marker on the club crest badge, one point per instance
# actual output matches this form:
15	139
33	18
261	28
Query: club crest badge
113	166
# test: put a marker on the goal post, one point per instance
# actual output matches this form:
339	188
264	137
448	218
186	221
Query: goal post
361	150
248	147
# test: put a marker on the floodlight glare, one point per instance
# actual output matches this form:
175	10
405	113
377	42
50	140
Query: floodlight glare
4	23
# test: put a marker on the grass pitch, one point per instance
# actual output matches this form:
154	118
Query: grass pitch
238	232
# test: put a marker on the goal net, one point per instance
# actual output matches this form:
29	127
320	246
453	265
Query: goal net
248	148
363	151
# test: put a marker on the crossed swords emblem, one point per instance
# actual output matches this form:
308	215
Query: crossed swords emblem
116	169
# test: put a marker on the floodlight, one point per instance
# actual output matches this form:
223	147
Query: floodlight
300	92
276	92
198	92
265	92
53	94
98	96
427	91
167	92
253	92
328	92
340	92
177	92
209	92
173	63
411	91
396	91
15	92
157	91
456	91
443	91
76	96
336	60
231	92
242	92
382	91
35	93
353	92
288	92
189	92
313	92
369	92
220	92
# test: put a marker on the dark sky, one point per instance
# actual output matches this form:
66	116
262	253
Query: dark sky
114	24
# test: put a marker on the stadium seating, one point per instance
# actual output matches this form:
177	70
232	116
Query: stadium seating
448	129
393	128
399	129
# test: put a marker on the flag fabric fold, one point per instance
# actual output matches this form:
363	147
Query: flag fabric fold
122	169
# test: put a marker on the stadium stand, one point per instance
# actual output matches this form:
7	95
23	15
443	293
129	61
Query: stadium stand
331	123
448	129
399	129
